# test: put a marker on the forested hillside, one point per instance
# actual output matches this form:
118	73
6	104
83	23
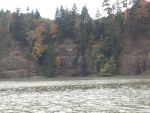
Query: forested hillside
74	44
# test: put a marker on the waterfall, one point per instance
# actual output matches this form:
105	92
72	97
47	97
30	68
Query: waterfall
80	61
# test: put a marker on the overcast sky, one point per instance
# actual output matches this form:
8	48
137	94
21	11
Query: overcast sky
47	8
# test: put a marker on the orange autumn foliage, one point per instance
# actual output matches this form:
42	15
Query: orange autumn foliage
53	28
142	11
36	22
143	3
58	62
39	34
39	48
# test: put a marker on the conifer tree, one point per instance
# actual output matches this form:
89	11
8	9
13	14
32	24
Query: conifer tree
48	61
85	26
37	14
107	7
18	26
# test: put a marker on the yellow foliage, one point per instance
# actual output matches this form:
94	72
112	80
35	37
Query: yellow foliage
38	49
31	35
53	28
58	62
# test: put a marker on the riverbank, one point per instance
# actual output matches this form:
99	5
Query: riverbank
91	77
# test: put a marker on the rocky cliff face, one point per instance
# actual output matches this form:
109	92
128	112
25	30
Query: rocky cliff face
74	59
136	57
15	64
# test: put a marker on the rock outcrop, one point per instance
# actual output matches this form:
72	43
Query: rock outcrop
15	64
135	58
74	61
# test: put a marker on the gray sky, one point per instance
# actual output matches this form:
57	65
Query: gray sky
47	8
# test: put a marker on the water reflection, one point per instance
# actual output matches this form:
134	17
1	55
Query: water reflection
74	96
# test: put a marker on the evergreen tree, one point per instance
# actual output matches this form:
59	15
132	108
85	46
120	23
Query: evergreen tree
74	14
37	14
107	6
59	20
65	20
57	14
85	26
98	14
74	11
98	30
18	26
118	7
3	23
48	62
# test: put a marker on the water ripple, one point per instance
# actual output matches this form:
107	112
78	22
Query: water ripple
76	96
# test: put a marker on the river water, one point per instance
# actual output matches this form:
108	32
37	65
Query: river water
96	95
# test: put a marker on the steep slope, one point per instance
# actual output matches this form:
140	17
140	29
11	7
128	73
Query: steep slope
14	63
74	59
135	58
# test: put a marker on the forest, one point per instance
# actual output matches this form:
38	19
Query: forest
104	37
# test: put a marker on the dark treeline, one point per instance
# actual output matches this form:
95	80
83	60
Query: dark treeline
105	34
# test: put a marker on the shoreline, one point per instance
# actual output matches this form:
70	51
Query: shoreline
91	77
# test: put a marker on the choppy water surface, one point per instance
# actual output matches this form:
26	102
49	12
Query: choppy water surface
100	95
